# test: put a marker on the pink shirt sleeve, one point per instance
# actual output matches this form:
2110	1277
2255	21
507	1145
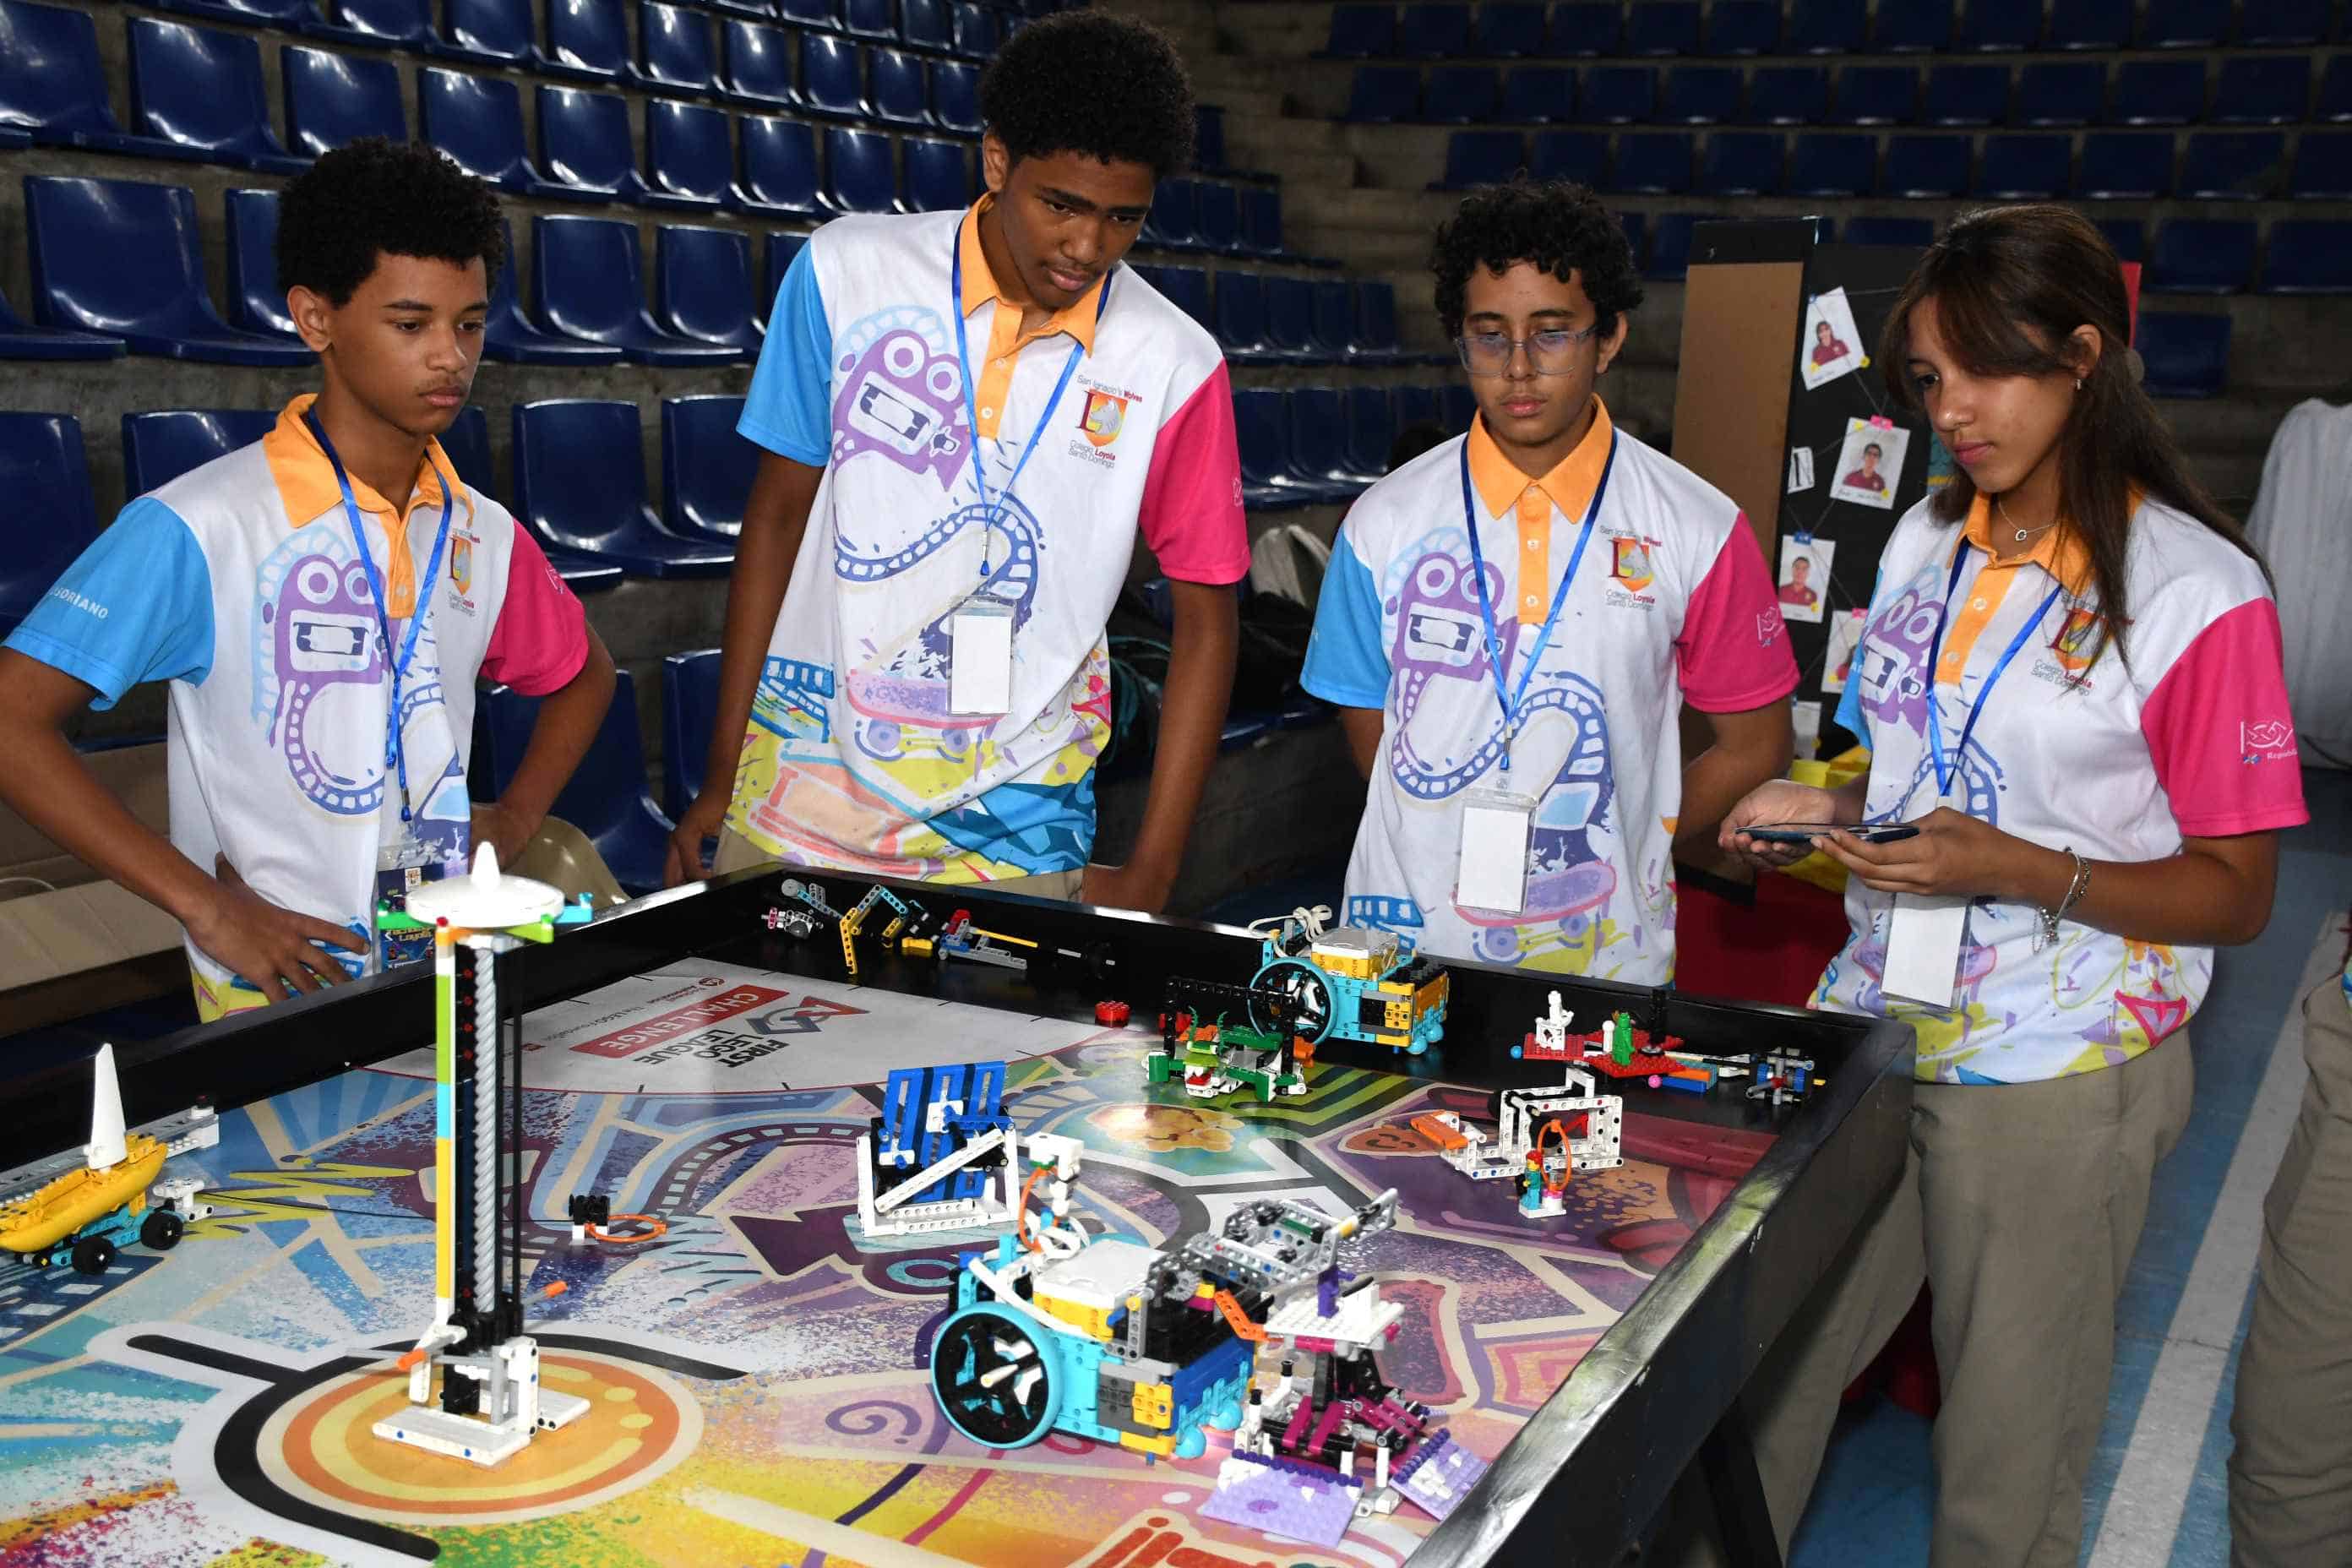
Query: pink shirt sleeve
1192	510
541	638
2220	731
1734	652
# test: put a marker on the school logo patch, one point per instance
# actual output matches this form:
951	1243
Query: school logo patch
461	563
2077	641
1630	563
1104	417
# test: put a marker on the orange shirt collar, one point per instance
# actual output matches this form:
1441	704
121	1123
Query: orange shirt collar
980	286
2059	551
1570	484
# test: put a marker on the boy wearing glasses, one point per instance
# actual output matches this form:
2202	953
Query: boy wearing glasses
1511	621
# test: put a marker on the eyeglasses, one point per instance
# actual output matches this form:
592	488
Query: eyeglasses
1548	353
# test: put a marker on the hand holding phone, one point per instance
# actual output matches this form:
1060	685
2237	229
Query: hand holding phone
1806	832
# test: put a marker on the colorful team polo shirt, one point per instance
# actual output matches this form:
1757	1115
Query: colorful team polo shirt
1670	604
239	583
852	758
2072	748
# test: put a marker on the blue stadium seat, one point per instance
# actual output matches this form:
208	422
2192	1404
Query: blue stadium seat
1290	320
707	467
487	32
937	174
585	145
1371	428
1736	27
1913	28
20	341
580	484
955	97
1579	155
477	120
1432	32
2185	24
591	286
1913	233
1482	157
1376	328
1506	29
1381	95
587	40
1788	95
829	78
2059	92
2201	255
1319	439
2125	166
874	19
2333	102
120	257
1262	221
1260	428
2233	166
289	16
1619	95
2283	23
1175	212
2127	236
977	31
1460	95
755	64
2308	256
2262	89
924	24
606	797
2026	168
674	44
53	87
1459	407
1584	29
1241	318
690	156
1875	95
1421	405
466	444
2158	92
1187	288
2000	24
857	173
1361	32
255	303
1926	166
2322	166
1653	162
379	24
1966	95
1670	245
2185	356
894	84
2089	25
334	99
778	172
690	712
1700	95
201	90
1833	163
1216	218
157	447
1741	163
511	336
1208	139
782	245
55	517
1825	27
1661	28
824	16
1335	322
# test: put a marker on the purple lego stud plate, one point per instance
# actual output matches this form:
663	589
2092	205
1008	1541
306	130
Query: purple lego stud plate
1296	1503
1436	1479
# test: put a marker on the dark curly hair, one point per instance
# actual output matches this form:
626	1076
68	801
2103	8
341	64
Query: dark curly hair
1558	226
374	196
1088	81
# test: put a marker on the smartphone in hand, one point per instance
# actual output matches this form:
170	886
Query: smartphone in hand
1806	832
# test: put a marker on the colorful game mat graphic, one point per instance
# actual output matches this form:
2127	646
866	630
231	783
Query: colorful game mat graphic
758	1383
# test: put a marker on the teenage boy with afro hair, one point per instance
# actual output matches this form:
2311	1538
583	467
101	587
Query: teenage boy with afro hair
321	603
1512	622
966	420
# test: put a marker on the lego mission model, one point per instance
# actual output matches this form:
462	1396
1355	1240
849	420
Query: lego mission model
84	1209
1350	983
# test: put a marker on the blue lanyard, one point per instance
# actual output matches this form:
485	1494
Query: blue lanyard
1948	766
396	753
990	516
1511	703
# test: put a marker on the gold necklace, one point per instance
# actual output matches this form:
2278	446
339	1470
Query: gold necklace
2023	534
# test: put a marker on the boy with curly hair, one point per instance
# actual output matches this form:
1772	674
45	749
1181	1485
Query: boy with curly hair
321	603
1512	622
967	419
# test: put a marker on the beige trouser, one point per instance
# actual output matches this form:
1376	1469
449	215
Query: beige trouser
2020	1205
736	852
2291	1473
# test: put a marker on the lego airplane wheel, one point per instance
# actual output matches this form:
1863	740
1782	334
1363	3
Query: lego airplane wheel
996	1381
1310	999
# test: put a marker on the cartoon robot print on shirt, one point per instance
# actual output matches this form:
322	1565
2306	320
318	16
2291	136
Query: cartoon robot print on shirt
317	655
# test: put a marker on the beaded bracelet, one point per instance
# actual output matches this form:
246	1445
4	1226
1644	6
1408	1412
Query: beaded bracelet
2075	889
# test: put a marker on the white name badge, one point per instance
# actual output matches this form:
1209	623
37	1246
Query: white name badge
1923	947
980	659
1492	873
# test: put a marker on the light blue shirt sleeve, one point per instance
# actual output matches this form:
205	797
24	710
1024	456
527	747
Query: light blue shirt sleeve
789	409
1347	658
137	606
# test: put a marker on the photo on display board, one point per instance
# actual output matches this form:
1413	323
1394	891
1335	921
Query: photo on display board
1845	635
1869	464
1804	577
1832	346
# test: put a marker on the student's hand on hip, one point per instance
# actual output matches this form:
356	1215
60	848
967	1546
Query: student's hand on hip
271	949
1130	887
1775	801
698	822
1953	855
505	830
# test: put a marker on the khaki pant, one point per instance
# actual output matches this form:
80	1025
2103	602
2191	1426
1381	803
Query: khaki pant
736	852
2020	1205
2290	1472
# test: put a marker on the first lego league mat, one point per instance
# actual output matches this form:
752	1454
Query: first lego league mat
758	1383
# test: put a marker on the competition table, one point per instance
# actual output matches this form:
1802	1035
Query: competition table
213	1403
